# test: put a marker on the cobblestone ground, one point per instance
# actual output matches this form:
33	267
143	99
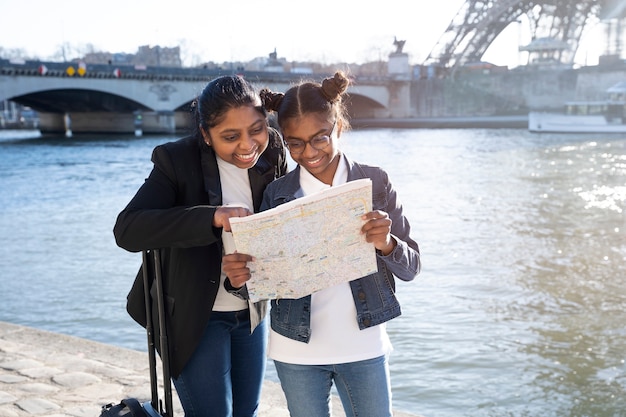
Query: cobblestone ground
54	375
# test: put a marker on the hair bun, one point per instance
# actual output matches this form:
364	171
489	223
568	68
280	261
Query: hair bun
334	87
271	101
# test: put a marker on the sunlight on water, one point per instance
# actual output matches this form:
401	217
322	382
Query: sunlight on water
610	198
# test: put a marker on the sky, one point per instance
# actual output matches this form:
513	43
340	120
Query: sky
325	31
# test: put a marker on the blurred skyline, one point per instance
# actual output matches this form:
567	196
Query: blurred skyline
325	31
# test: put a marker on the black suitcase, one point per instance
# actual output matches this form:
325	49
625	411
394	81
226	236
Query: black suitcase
131	407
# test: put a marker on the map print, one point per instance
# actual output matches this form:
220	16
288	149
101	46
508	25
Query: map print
308	244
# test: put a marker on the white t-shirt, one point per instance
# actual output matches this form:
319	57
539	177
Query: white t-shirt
335	335
236	192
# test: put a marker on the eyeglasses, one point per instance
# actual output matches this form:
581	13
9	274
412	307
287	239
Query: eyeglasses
297	146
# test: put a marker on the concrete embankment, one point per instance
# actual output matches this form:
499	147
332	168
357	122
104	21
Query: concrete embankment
469	122
55	375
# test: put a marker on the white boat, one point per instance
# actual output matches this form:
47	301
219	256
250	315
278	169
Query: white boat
607	116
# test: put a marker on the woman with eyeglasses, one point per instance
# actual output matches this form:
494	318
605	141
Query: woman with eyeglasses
336	335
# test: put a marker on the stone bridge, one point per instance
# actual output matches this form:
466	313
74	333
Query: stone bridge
101	98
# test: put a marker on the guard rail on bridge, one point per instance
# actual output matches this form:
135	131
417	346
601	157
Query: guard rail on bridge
140	72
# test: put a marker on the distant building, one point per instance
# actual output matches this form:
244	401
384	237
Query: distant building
98	58
257	64
274	64
301	70
372	69
158	56
545	51
146	55
397	65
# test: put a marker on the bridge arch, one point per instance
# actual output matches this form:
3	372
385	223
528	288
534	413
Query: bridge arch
77	100
360	106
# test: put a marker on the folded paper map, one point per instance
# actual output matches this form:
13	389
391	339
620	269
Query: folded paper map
308	244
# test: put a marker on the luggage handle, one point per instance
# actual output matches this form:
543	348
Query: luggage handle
163	344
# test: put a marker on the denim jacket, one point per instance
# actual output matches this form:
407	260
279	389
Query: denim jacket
374	295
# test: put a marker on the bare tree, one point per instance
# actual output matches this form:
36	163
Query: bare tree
14	53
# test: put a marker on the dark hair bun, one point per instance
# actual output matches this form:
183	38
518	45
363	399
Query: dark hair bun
334	87
271	101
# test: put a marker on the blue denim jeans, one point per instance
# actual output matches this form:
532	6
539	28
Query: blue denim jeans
364	388
225	374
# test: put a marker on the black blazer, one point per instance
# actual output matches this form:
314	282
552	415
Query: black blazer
173	211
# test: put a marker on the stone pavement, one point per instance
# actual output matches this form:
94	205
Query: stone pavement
55	375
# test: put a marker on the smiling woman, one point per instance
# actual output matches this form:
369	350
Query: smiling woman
237	143
183	208
336	335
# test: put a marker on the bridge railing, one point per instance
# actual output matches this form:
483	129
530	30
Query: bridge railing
38	68
60	69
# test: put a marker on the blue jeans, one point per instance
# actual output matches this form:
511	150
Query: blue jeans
364	388
225	374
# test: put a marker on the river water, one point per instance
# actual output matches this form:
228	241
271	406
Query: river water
520	309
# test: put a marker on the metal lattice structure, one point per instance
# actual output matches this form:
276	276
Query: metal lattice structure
558	23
